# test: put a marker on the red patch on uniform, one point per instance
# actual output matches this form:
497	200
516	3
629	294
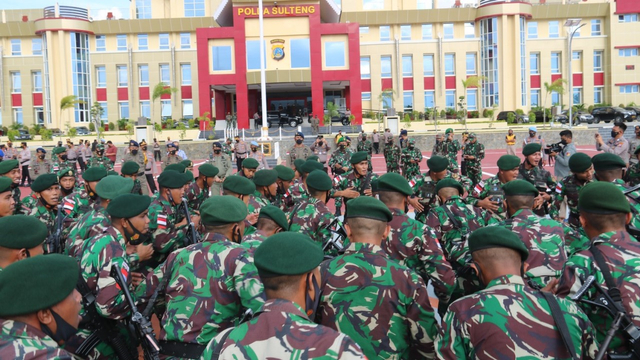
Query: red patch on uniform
68	206
162	221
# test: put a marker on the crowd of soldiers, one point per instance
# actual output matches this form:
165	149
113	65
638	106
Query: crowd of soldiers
255	265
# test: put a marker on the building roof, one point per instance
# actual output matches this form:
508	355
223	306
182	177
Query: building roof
329	11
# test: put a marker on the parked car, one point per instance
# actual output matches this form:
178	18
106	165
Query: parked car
279	118
635	109
56	132
578	117
23	135
82	130
342	117
609	113
503	115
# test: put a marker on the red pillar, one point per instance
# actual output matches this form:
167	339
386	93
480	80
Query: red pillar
221	100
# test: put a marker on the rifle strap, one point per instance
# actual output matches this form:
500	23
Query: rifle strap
181	349
163	285
456	222
218	350
613	290
561	324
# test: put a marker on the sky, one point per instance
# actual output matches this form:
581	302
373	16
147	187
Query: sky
98	8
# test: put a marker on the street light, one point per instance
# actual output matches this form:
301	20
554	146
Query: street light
571	23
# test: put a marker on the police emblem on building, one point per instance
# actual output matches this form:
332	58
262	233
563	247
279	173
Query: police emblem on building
277	49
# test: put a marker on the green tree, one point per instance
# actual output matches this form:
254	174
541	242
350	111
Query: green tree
386	98
158	91
332	111
96	114
558	87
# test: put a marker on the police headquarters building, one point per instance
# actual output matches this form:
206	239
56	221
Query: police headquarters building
346	52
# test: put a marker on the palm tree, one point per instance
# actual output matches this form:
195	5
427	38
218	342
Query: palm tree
332	111
69	102
158	91
387	94
558	87
471	81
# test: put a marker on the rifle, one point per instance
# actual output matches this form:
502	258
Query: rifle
54	244
142	325
365	184
337	239
193	236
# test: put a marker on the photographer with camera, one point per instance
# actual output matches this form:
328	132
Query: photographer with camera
617	144
562	151
320	148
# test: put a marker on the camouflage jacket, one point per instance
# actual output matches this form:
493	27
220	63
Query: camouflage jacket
227	149
46	216
252	241
312	217
22	341
489	188
16	194
621	252
438	149
295	192
77	203
256	202
415	246
195	196
634	201
29	202
392	155
365	146
544	238
424	187
450	150
410	170
209	285
342	157
520	325
61	165
539	178
633	174
476	150
167	237
568	188
383	306
283	331
103	161
39	167
91	224
349	180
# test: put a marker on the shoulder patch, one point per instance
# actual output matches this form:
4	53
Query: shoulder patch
162	221
559	187
479	187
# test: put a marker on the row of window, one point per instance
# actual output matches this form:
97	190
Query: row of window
554	29
427	31
16	81
451	101
36	47
143	75
192	8
427	65
143	42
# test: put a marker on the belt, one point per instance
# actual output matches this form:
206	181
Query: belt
74	159
181	349
140	173
241	153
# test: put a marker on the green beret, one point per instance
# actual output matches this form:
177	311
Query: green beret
394	182
112	172
358	157
250	163
126	206
130	168
368	207
298	164
319	180
233	211
341	139
520	187
437	163
111	186
189	175
313	158
187	163
496	237
531	149
58	150
449	130
601	197
449	183
310	165
239	185
44	181
274	213
287	253
5	184
37	283
374	185
607	161
208	170
176	167
68	172
22	232
508	162
8	165
637	150
285	173
579	162
265	177
94	173
171	179
99	147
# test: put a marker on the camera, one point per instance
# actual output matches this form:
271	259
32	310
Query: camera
556	148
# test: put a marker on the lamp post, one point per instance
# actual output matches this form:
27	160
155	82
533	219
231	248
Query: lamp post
571	24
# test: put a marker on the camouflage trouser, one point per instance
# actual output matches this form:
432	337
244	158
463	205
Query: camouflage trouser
393	168
453	165
411	171
338	202
474	172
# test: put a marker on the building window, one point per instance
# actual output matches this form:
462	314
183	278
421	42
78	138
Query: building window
407	98
532	30
38	113
450	99
334	55
16	82
427	32
448	30
471	64
385	33
123	110
554	30
385	66
429	98
534	61
122	42
407	66
145	109
366	96
469	31
449	64
165	75
185	72
193	8
163	41
165	107
143	71
598	95
123	77
577	96
16	48
101	43
372	4
301	48
535	97
37	81
80	75
185	41
576	55
221	58
628	52
427	65
187	109
143	42
523	63
555	63
101	77
143	9
17	116
105	111
629	89
489	62
364	29
472	99
555	99
253	55
628	18
405	31
597	60
425	4
365	67
596	29
36	46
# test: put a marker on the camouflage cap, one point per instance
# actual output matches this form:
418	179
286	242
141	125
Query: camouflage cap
297	163
358	157
37	283
601	197
239	185
43	182
412	141
68	172
508	162
8	165
285	173
310	165
531	149
449	183
235	210
520	187
250	163
265	177
394	182
112	186
208	170
579	162
319	180
59	150
94	173
287	253
130	168
187	163
437	163
607	161
176	167
100	147
5	184
274	213
472	135
22	232
368	207
496	237
172	179
126	206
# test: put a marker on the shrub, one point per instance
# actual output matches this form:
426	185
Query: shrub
532	117
92	126
112	127
490	113
46	134
519	112
443	114
192	123
12	134
621	105
485	113
122	124
72	132
511	118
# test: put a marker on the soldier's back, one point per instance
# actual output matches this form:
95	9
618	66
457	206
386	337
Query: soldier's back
19	340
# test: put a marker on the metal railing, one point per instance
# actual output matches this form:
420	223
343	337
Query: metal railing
66	12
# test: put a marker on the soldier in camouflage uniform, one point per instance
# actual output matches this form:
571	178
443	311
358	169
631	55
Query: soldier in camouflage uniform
365	145
82	200
542	179
283	328
222	161
339	161
227	148
438	147
60	161
172	156
7	203
205	287
410	242
450	149
130	170
543	238
298	191
41	165
354	183
472	154
47	191
10	169
364	284
284	200
392	155
582	173
248	168
266	189
29	291
138	157
100	160
299	150
68	183
604	214
521	324
271	220
411	158
488	194
198	190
